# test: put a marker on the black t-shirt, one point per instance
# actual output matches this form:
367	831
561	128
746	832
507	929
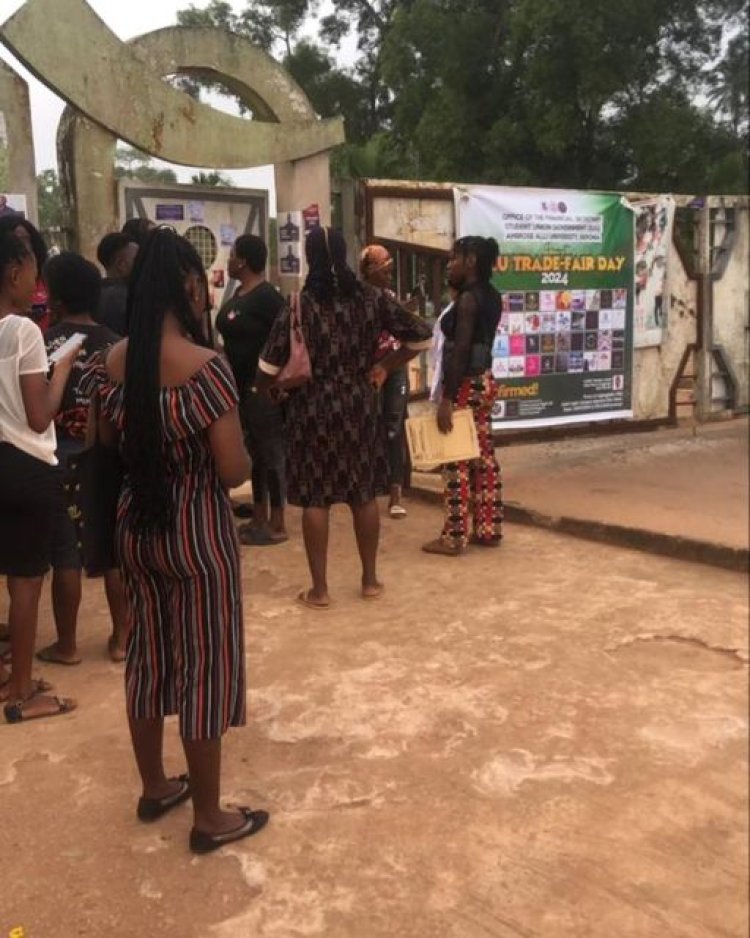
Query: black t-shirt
73	415
112	311
244	323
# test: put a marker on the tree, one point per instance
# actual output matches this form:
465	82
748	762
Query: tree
212	178
729	84
578	93
133	164
51	206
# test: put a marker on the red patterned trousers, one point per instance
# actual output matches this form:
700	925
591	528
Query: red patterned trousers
475	486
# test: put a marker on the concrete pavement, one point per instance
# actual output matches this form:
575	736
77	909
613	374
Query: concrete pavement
682	492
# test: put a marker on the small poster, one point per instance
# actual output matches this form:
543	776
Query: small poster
289	230
654	220
289	260
311	217
228	234
12	204
196	211
170	212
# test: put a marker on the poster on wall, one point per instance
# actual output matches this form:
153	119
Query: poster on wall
654	220
311	217
12	203
290	234
563	352
170	211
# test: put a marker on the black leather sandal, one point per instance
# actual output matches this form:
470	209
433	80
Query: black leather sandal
151	809
15	712
254	821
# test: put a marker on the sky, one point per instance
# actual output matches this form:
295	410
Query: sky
126	18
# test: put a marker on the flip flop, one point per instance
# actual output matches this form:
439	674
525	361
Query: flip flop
15	713
253	822
303	598
50	656
397	512
151	809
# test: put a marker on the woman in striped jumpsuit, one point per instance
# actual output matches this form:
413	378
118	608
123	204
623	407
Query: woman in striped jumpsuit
178	429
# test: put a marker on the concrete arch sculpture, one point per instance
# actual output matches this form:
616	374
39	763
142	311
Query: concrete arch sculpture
116	89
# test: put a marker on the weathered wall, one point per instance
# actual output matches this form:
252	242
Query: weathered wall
655	368
14	103
731	301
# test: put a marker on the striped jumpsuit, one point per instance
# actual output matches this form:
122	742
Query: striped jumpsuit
186	650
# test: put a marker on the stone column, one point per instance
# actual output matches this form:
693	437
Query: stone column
14	103
298	184
85	153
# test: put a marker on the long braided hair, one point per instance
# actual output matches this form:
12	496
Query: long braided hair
157	286
328	273
485	250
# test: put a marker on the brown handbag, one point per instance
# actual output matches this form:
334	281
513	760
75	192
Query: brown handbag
298	370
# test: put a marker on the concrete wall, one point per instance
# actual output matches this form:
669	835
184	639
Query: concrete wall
14	103
730	302
655	368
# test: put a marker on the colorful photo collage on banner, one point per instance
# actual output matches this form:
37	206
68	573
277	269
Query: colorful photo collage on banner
563	352
557	332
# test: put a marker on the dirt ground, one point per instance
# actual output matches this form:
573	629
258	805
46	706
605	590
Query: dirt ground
545	740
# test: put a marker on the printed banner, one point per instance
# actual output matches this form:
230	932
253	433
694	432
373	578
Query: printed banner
654	220
564	347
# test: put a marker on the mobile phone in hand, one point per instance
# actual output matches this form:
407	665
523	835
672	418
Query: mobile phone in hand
75	341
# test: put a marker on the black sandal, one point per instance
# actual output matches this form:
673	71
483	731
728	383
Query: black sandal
254	821
15	713
151	809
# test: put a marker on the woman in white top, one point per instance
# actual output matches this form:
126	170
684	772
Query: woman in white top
29	480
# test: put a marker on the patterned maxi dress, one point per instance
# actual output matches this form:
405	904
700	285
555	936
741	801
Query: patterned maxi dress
185	654
336	440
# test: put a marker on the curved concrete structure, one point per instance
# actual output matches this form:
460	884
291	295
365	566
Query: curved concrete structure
119	86
117	90
14	104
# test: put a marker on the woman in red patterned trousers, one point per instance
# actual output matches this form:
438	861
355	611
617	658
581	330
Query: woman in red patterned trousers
470	487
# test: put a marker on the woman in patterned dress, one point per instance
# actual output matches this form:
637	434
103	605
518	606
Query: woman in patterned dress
178	428
336	442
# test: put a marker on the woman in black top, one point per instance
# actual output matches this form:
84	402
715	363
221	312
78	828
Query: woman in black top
469	329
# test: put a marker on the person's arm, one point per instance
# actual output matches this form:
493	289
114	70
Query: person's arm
454	370
41	396
275	353
228	449
391	362
412	332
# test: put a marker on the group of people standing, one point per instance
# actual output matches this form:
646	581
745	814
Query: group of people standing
189	425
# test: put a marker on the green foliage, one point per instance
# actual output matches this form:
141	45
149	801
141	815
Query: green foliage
579	93
52	213
133	164
212	178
